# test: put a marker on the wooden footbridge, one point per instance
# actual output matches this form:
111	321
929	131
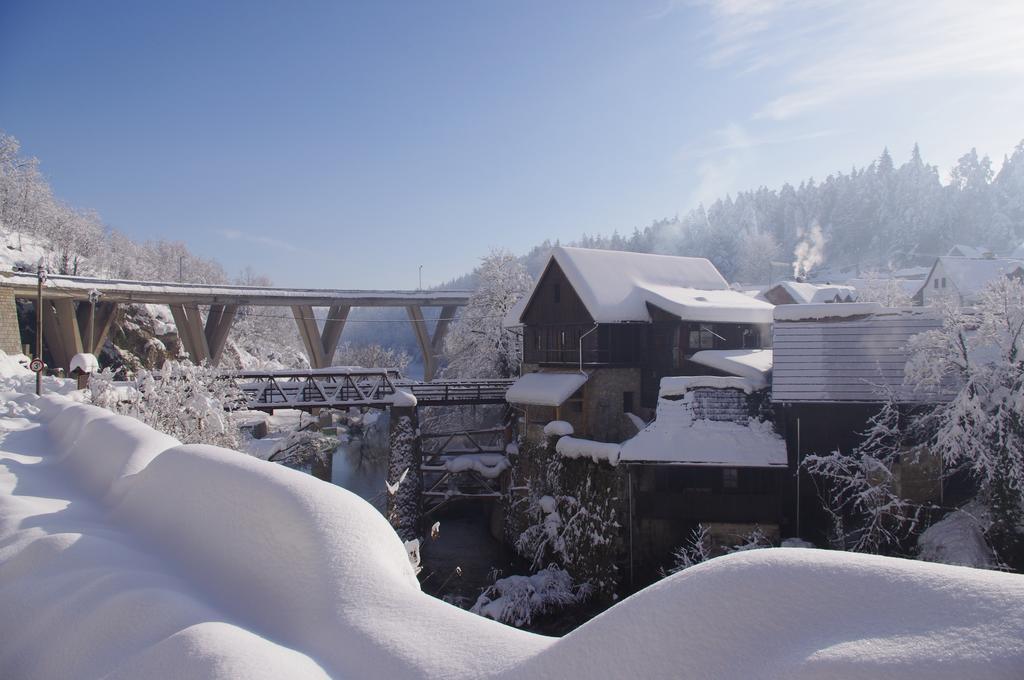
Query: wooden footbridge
308	390
204	314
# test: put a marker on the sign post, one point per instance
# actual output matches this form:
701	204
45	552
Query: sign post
37	363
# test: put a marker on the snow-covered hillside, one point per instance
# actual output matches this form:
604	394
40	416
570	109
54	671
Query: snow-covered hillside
124	554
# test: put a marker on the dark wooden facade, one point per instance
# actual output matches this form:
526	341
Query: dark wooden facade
669	501
556	320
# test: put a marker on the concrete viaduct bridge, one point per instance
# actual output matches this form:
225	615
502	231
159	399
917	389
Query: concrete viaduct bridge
68	313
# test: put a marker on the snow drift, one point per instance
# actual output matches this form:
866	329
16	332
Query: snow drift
125	554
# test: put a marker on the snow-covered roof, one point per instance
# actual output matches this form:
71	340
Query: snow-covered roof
616	286
676	437
571	447
677	385
960	250
545	389
752	364
85	363
804	293
970	275
825	311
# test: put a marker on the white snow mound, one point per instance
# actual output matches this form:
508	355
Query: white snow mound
124	554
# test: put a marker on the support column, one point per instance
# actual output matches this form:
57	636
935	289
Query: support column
403	509
105	314
310	333
67	324
337	315
431	347
218	325
419	327
190	331
53	339
320	347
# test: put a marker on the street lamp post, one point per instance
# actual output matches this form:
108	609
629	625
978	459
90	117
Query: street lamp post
94	296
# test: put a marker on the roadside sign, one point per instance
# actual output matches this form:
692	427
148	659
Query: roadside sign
36	366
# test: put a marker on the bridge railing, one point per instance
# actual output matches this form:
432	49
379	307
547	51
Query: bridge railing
343	387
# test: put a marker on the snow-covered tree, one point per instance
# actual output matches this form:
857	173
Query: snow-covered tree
188	402
860	491
373	356
478	345
981	431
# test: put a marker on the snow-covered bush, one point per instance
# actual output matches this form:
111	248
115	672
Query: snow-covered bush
700	547
518	600
190	403
303	449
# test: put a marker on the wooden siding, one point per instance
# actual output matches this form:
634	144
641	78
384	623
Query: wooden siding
847	360
546	308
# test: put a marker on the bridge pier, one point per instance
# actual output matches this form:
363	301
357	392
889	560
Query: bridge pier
320	346
66	329
203	342
432	347
404	480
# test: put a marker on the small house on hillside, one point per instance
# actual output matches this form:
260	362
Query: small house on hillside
961	250
801	293
962	279
620	322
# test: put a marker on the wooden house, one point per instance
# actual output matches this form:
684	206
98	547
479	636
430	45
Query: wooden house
623	321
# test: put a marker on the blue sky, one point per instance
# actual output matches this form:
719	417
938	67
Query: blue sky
334	144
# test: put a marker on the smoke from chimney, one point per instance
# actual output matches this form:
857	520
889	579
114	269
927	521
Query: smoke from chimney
809	252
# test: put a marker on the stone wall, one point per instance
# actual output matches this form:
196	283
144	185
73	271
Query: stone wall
10	334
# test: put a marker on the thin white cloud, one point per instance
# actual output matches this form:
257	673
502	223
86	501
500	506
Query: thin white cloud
826	52
257	239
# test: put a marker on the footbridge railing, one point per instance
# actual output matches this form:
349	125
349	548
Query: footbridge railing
347	387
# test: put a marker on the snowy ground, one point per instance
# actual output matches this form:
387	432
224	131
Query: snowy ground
124	554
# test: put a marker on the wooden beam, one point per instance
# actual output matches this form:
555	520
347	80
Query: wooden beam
310	333
218	325
337	315
419	327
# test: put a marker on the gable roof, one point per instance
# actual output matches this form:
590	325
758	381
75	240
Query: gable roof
812	293
616	286
960	250
970	275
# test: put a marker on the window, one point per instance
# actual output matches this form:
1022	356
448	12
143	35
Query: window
751	338
730	478
943	281
558	292
936	284
702	338
536	340
627	402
